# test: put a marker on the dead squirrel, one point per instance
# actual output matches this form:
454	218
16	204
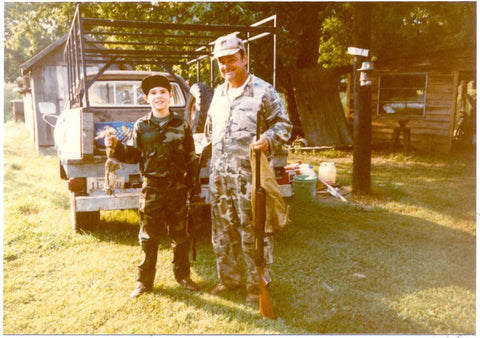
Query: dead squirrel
111	165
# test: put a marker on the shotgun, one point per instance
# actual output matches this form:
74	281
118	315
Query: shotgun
265	302
194	205
190	231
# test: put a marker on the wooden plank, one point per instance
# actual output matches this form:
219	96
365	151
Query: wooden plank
319	107
45	79
453	110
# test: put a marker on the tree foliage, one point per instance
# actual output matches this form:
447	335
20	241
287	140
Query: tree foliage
29	28
403	28
310	33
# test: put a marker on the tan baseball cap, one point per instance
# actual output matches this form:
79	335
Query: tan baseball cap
227	45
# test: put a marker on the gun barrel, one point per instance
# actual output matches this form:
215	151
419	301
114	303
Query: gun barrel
260	218
260	214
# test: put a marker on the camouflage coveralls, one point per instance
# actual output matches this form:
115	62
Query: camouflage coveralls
166	155
232	127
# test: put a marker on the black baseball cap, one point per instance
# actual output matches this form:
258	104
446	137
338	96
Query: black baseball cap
155	81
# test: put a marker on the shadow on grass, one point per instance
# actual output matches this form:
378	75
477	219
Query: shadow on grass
230	306
348	269
342	270
123	226
116	231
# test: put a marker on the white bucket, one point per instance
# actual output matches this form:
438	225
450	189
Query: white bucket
327	172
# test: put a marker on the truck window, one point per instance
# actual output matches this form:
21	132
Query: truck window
126	93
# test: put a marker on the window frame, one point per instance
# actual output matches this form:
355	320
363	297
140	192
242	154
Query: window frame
136	86
398	115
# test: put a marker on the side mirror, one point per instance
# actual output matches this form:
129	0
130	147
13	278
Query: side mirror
48	109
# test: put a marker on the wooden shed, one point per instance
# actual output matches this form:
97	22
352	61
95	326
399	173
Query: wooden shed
418	99
44	92
45	87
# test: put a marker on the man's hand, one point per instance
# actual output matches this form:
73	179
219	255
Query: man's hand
261	143
110	141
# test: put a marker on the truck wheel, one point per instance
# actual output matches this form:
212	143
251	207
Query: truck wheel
83	220
197	106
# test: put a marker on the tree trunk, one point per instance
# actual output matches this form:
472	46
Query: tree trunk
307	56
310	35
292	110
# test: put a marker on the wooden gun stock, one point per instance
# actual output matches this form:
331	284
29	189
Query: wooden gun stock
266	307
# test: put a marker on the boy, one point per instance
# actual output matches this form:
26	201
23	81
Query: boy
164	148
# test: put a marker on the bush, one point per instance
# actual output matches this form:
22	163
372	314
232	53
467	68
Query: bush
9	94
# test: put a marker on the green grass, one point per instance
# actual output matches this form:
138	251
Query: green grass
398	261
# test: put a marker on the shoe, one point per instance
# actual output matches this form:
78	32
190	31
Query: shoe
252	298
189	284
221	288
140	289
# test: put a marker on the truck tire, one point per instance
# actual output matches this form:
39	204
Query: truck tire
197	106
83	220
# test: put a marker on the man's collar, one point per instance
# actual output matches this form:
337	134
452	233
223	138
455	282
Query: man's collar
247	90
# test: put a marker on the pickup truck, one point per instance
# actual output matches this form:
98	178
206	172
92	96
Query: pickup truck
102	96
116	101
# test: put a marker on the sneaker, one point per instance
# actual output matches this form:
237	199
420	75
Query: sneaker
140	289
189	284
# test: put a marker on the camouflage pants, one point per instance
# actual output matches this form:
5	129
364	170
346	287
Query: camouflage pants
233	231
160	209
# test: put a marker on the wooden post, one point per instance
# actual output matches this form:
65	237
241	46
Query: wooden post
362	123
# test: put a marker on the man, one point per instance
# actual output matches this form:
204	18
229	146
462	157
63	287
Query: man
231	126
164	148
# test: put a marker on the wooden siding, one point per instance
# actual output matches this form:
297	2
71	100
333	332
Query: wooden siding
45	88
424	132
433	132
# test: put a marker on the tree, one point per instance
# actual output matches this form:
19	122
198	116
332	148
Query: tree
320	37
30	27
403	28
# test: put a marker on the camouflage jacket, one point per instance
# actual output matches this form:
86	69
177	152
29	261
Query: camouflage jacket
164	152
231	126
